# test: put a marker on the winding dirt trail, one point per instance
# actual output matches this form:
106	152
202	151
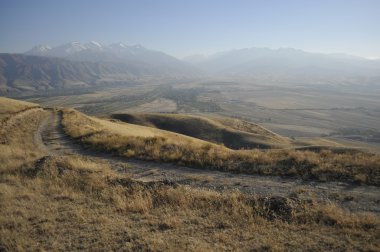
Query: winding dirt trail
51	137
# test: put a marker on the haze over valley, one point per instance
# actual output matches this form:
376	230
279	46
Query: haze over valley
59	68
237	126
290	91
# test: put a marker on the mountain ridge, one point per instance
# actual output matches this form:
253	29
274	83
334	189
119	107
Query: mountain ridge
27	74
284	62
95	52
89	64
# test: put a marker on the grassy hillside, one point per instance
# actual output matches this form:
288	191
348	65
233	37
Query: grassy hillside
74	203
17	146
9	107
28	74
71	202
79	125
232	133
168	147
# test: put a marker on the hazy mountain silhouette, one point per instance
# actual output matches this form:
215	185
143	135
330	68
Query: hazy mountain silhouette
26	74
118	52
286	62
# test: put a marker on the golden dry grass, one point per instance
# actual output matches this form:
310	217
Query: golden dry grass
17	140
324	166
65	203
75	203
232	133
79	125
10	106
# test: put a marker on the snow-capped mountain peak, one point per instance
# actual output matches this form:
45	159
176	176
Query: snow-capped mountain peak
94	51
39	50
44	48
118	46
138	46
122	45
96	44
69	48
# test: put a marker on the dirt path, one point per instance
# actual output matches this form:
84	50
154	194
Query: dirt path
356	198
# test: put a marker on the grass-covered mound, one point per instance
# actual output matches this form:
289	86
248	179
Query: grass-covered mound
164	146
232	133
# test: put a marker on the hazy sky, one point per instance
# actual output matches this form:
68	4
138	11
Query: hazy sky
185	27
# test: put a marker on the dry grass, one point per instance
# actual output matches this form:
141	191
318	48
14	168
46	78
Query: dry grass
17	141
233	133
72	203
66	203
323	166
11	106
81	125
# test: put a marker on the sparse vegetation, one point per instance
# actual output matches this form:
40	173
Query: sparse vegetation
208	146
72	202
10	107
188	100
232	133
17	145
324	166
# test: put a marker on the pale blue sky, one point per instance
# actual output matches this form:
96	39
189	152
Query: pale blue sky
182	27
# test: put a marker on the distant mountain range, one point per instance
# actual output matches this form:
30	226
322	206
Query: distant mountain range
97	52
286	63
92	64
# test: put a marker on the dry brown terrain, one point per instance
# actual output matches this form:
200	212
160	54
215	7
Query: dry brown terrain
232	133
356	198
321	165
52	199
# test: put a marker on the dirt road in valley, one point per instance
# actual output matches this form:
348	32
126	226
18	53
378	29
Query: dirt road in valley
52	139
